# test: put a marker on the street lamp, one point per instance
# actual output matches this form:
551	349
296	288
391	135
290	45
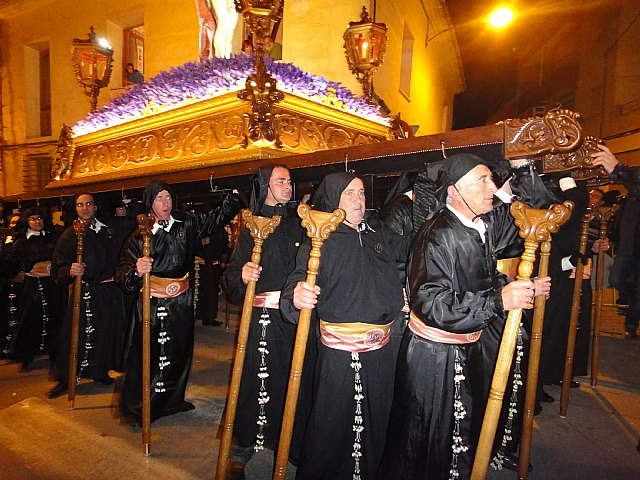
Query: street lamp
92	61
499	18
364	45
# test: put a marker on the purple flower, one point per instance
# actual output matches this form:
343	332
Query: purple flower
197	81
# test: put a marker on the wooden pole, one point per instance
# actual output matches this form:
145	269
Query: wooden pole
534	359
226	310
319	226
260	228
145	226
604	215
573	320
80	227
535	226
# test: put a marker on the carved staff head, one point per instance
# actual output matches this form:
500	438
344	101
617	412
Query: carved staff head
260	227
537	225
320	224
145	224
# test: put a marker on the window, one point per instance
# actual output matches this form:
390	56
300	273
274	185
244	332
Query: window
38	89
36	172
406	62
133	50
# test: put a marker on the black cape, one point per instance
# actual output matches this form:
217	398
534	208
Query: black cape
171	318
359	283
277	261
102	319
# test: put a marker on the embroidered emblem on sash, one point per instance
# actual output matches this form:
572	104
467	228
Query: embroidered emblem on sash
474	336
379	248
374	336
172	288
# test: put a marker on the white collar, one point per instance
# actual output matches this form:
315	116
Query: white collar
504	196
478	225
156	226
31	233
96	225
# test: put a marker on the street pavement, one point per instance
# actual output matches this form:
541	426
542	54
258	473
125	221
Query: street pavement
42	439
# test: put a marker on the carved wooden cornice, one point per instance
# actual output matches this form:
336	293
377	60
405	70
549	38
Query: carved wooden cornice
578	161
558	131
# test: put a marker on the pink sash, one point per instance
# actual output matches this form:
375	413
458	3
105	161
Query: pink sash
267	300
168	287
354	337
40	269
418	327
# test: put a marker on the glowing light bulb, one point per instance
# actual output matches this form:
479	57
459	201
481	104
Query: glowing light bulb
501	17
104	43
365	46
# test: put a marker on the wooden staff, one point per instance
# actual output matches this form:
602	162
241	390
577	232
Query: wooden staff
80	227
573	321
235	233
259	228
534	355
535	226
319	226
226	310
604	215
145	227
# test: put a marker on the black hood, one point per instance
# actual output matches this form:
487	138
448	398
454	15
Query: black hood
327	196
260	188
434	179
154	187
403	185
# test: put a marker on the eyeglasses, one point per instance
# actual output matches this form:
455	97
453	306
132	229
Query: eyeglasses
35	218
88	203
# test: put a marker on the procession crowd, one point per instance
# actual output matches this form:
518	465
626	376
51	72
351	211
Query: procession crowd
407	310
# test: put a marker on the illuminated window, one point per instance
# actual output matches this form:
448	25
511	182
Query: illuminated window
38	89
406	62
133	53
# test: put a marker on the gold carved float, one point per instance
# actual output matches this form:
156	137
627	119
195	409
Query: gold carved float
208	133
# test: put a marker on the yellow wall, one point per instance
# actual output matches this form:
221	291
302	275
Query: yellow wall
312	39
435	78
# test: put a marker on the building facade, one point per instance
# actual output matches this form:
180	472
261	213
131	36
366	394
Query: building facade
40	94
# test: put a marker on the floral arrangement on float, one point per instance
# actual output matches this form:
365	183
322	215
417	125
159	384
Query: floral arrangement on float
202	80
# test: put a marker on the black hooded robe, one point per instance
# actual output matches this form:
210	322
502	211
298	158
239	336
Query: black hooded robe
42	302
346	430
171	318
455	287
102	317
277	261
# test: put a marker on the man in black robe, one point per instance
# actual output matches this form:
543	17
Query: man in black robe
102	317
270	342
562	262
42	301
8	317
214	251
356	300
172	325
455	292
630	177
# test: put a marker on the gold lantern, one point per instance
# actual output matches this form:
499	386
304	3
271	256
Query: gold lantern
92	61
365	43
